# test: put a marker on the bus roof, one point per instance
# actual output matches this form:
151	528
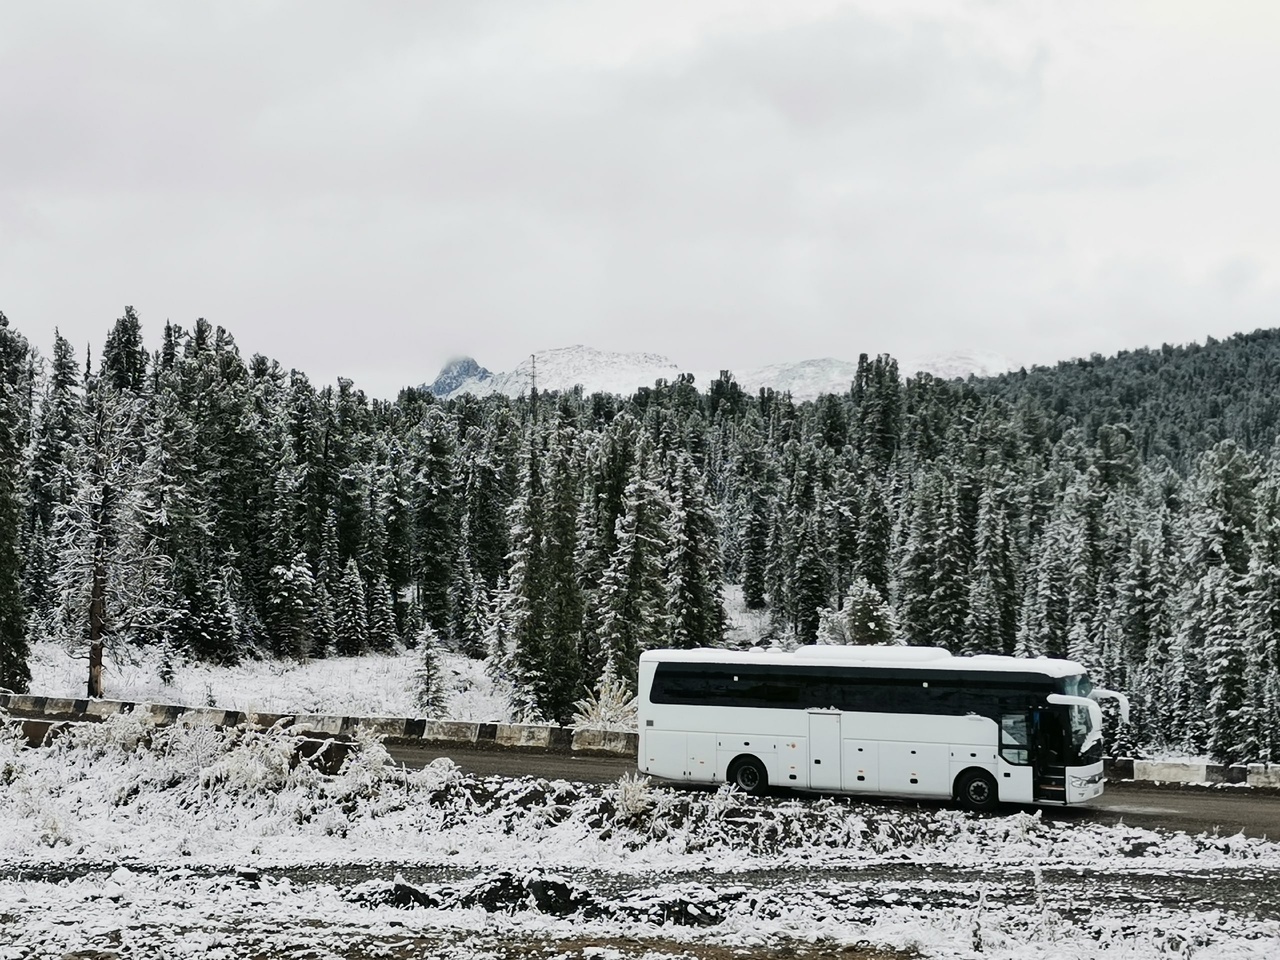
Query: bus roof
895	657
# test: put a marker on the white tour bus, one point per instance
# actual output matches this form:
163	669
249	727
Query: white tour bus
903	721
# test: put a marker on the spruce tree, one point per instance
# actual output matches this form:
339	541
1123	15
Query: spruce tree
15	672
53	440
1230	707
695	608
434	515
632	598
563	673
430	687
382	620
291	609
350	617
864	618
524	607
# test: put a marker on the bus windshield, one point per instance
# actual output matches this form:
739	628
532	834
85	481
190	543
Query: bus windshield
1076	686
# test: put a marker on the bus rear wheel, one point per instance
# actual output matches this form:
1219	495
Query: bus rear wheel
977	790
749	775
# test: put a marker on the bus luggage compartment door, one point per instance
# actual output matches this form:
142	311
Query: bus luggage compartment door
824	750
681	756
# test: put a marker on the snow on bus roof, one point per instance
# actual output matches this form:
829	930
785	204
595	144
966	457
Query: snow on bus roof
923	658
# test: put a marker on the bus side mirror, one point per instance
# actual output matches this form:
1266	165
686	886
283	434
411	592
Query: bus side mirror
1101	693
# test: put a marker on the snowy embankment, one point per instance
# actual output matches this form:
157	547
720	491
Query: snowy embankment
375	685
144	840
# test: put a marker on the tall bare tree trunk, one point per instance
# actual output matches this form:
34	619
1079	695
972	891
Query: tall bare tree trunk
97	620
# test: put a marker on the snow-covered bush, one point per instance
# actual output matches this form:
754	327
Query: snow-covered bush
610	707
633	798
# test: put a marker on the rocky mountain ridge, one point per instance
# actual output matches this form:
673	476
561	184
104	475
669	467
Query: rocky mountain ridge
604	371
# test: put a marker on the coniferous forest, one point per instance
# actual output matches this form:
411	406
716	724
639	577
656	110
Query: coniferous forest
1123	511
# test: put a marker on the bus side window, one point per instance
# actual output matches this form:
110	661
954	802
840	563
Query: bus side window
1014	738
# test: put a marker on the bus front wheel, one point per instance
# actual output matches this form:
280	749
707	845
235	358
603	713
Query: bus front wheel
977	790
749	775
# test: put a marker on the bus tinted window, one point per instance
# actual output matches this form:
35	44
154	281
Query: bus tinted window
844	688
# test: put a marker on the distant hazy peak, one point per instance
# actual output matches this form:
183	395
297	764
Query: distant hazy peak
455	373
603	371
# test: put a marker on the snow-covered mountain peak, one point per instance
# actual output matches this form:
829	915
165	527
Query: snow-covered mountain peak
950	366
564	368
455	373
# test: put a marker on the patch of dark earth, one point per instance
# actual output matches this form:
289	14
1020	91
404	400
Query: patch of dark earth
415	945
706	898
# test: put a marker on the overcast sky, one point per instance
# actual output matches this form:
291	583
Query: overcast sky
367	189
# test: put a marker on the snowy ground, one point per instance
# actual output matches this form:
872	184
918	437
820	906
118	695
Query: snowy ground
124	840
377	685
128	840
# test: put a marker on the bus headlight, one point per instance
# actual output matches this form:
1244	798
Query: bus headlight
1081	782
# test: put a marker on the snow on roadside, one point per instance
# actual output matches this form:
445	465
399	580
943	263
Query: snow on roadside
374	685
169	813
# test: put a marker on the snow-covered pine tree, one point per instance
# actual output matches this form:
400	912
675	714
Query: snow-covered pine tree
524	602
53	437
431	690
124	358
432	457
695	606
15	413
913	579
323	638
949	594
991	622
562	669
1261	615
875	529
291	609
1230	710
350	617
112	578
468	600
382	618
864	617
632	599
755	509
810	580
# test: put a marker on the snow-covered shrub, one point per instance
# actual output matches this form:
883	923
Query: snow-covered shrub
610	707
632	798
254	764
120	732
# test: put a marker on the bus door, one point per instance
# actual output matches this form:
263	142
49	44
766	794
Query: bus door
824	750
1048	739
1017	755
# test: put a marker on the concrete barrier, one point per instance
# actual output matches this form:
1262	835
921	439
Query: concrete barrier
458	731
316	723
106	708
1264	775
605	741
523	735
205	715
1170	772
381	726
